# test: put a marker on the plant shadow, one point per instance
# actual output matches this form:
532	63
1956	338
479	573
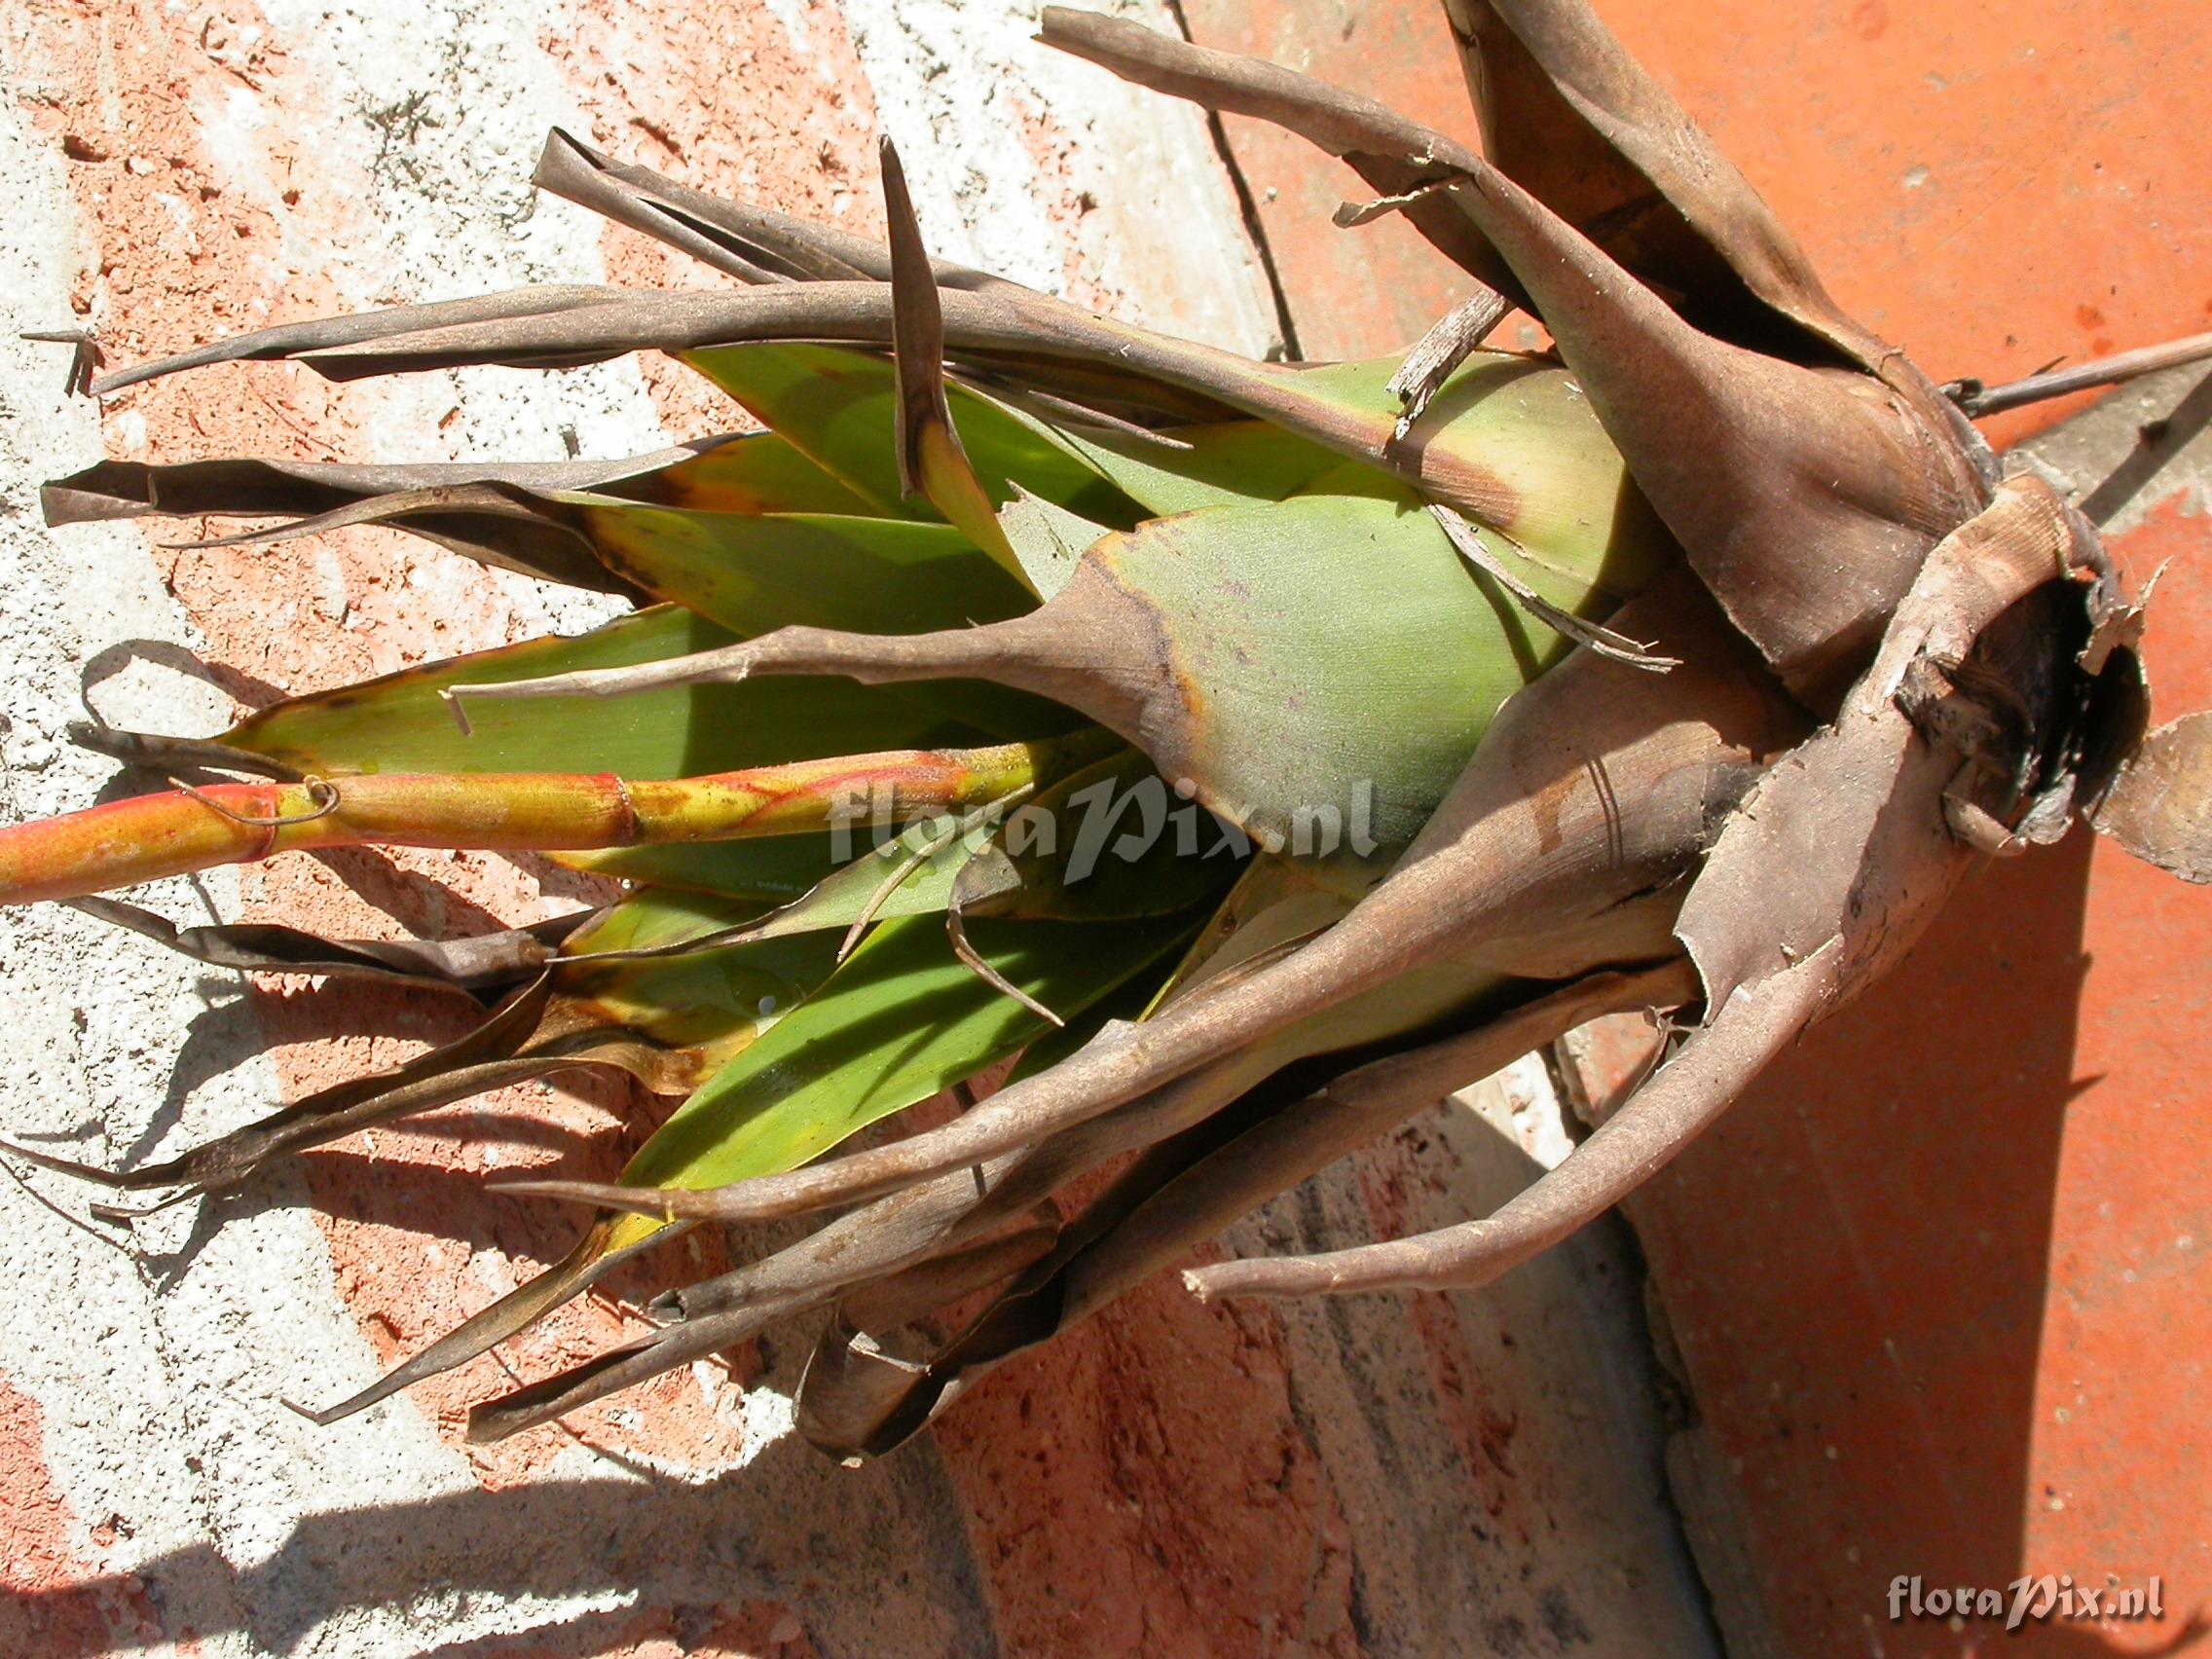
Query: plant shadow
1856	1267
870	1560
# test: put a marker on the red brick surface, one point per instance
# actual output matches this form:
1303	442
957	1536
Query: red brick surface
1942	1281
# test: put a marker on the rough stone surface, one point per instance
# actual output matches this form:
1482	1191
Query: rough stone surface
1386	1477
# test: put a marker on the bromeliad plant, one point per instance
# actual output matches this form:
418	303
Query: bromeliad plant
1454	701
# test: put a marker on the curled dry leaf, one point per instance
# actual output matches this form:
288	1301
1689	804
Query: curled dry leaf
1443	349
1829	869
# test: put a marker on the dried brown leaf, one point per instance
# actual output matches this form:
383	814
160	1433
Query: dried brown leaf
483	962
1576	121
861	1395
1825	877
2160	806
1752	460
754	244
1439	351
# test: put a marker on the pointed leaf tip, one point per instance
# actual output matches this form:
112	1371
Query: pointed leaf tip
932	461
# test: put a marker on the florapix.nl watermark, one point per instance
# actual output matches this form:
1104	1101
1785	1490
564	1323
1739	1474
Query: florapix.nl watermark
1122	818
2038	1600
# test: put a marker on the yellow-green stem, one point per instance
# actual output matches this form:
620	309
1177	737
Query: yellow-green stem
149	836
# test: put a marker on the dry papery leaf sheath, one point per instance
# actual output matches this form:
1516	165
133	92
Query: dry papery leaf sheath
1442	704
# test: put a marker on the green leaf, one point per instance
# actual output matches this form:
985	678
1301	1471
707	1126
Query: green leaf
1225	462
776	868
1351	699
398	724
837	404
901	1020
1550	478
717	1002
1000	870
648	919
753	574
1111	840
1510	437
1046	539
801	874
758	472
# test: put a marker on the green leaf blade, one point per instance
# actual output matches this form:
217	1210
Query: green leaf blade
837	405
399	723
755	572
901	1020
